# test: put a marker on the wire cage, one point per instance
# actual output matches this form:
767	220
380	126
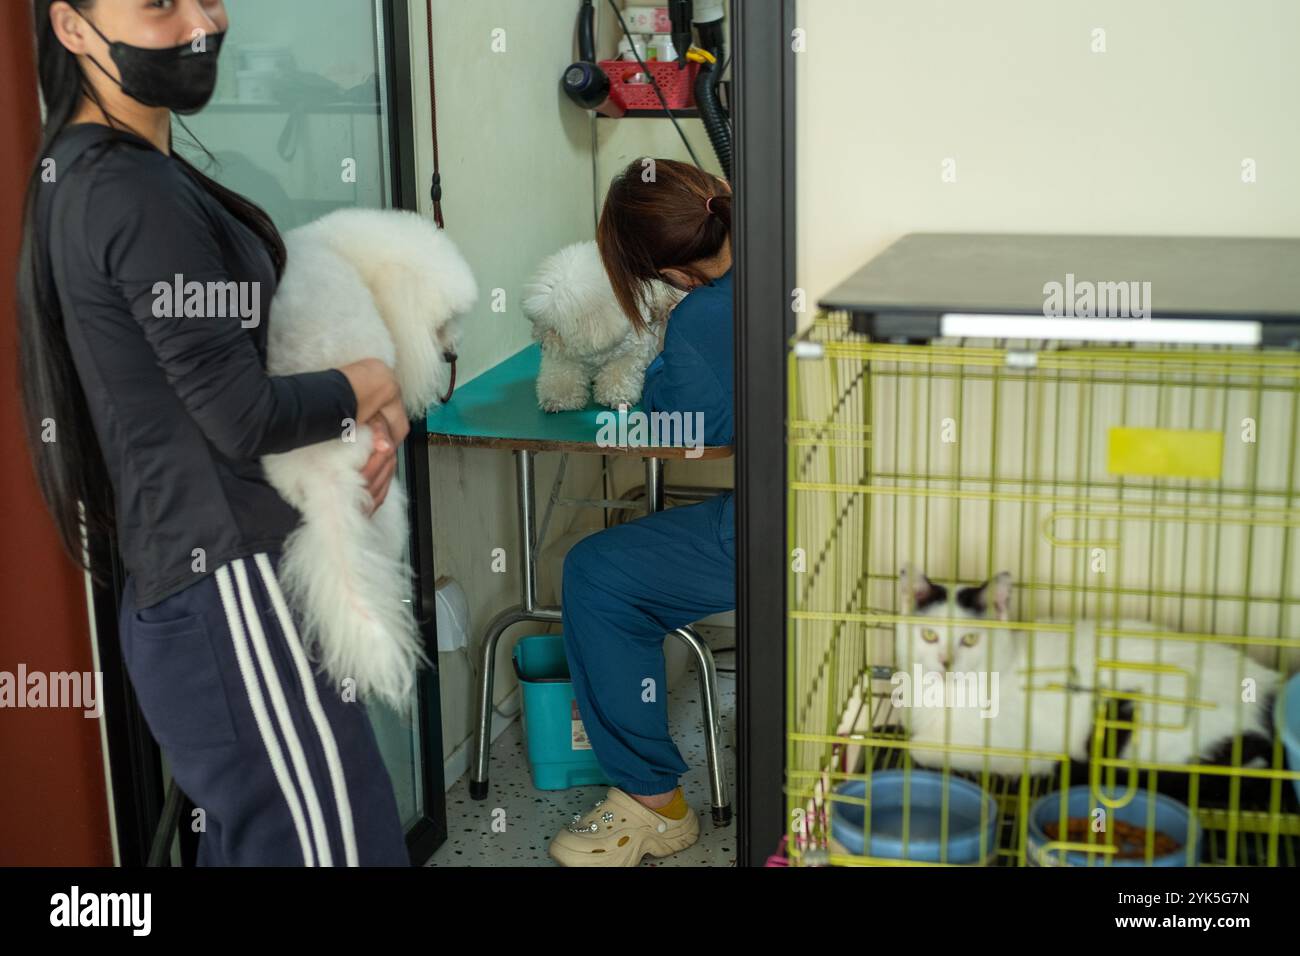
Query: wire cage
1044	599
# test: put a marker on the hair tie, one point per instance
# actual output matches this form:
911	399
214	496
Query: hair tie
708	204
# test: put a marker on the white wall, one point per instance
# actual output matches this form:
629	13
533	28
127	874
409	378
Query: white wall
1048	136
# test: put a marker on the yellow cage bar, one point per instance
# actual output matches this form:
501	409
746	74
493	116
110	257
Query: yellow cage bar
1143	500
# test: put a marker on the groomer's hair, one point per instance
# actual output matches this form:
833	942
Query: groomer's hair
657	216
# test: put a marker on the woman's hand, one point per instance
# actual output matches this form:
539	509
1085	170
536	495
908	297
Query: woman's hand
375	387
382	466
379	405
394	416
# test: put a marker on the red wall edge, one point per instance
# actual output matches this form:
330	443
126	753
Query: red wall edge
53	803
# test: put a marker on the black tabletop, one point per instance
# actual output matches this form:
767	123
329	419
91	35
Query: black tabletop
928	274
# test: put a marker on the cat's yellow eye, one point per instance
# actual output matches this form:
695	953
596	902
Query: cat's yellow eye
969	640
930	637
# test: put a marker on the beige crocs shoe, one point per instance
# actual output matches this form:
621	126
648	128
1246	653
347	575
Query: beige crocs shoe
619	831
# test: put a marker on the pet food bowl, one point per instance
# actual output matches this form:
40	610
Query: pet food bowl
1286	714
1168	816
915	798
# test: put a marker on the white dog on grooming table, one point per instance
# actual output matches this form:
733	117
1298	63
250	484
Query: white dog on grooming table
588	344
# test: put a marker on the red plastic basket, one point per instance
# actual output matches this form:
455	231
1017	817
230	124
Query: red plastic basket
678	85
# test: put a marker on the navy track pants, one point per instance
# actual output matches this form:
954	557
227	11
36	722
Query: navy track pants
285	771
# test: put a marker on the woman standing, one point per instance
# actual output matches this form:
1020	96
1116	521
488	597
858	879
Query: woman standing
626	587
150	421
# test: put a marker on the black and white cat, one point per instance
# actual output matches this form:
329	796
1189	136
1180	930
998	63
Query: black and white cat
1208	693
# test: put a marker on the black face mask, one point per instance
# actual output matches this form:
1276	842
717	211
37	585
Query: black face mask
177	77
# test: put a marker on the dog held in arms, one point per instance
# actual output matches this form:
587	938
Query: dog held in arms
587	342
361	283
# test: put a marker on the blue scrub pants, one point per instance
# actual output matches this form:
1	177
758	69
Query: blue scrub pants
286	772
625	589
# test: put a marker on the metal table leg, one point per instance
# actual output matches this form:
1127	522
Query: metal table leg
704	667
527	610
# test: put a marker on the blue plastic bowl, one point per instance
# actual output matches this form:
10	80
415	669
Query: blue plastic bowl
1286	714
924	819
1171	818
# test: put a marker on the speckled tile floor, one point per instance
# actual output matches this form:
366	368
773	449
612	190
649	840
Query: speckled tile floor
533	816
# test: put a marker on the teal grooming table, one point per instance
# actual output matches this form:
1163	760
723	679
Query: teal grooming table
499	410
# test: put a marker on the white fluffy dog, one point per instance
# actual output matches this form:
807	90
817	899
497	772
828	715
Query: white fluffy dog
361	283
586	339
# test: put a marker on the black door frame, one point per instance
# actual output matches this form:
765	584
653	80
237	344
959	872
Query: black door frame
429	832
135	761
765	236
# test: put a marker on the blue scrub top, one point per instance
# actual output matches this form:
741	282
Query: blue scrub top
696	370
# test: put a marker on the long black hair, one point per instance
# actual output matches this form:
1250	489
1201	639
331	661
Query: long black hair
70	469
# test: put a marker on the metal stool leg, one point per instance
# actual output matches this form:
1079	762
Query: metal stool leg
529	610
708	674
478	781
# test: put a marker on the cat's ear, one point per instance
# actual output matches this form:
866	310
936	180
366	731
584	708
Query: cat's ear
992	598
1002	595
916	590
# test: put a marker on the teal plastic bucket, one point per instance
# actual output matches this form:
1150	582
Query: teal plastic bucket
559	754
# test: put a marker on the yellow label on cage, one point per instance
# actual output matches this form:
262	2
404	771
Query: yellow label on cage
1165	452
